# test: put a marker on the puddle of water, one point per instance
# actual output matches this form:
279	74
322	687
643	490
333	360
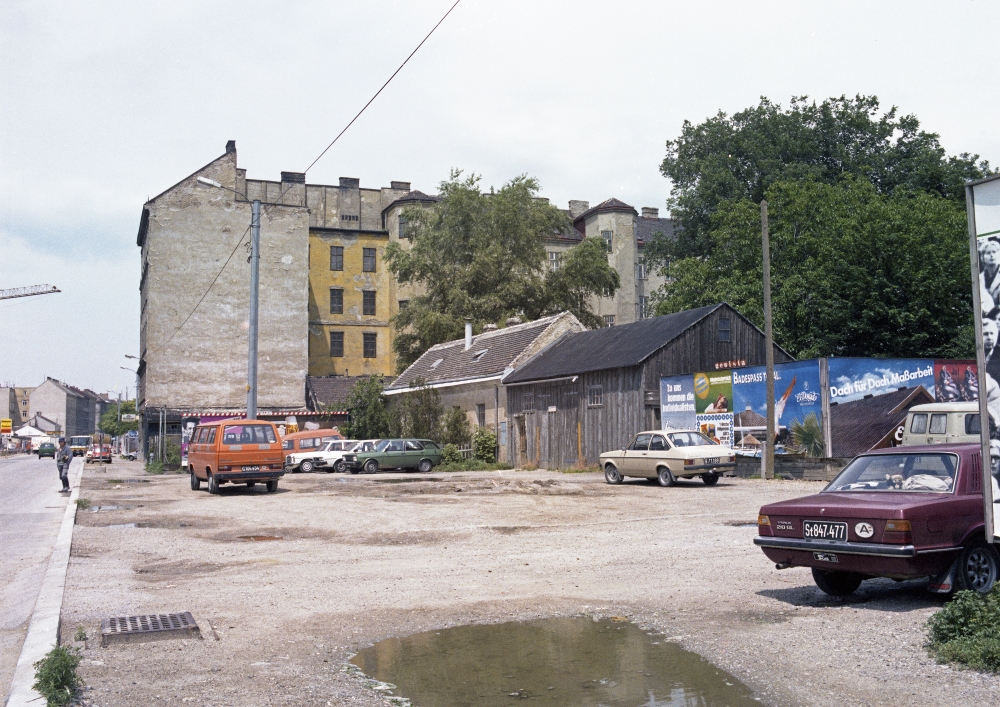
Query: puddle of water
406	481
575	662
259	538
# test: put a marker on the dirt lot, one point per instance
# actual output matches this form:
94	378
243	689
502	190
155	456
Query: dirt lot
361	558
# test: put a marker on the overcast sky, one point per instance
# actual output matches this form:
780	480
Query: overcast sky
105	104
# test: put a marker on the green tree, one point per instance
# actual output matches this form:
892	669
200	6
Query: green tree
728	159
457	430
479	255
366	404
854	272
584	271
417	413
110	424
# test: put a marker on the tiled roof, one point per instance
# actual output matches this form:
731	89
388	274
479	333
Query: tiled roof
413	197
859	425
490	355
610	347
323	392
646	228
609	205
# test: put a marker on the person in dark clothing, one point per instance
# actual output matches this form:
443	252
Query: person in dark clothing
64	457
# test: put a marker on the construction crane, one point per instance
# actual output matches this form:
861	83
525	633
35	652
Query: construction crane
28	291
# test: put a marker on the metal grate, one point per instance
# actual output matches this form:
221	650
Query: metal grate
148	627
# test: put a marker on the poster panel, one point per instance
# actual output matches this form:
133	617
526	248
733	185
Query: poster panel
955	381
854	378
677	402
717	426
713	392
798	403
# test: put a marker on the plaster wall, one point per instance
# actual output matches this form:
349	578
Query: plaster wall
50	401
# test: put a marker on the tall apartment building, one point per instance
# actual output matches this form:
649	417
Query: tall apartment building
74	411
14	404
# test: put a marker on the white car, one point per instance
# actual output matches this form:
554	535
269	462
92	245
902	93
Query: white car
668	455
329	457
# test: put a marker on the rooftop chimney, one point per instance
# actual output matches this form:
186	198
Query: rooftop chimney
295	177
350	183
513	321
650	212
577	207
489	327
400	186
230	146
468	334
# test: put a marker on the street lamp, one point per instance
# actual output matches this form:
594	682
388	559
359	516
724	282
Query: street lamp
254	292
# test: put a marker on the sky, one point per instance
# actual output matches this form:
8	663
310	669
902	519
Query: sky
106	104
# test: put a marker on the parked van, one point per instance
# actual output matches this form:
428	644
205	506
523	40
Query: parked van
236	452
938	423
308	440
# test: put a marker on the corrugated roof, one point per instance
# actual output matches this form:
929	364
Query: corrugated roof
610	347
490	355
859	425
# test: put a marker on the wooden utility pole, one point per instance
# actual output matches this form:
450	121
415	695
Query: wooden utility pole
767	457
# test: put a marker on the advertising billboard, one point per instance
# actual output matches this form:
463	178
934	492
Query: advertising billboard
797	396
677	402
713	392
955	382
855	378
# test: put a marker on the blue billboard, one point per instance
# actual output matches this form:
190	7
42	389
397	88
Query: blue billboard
854	378
677	402
797	394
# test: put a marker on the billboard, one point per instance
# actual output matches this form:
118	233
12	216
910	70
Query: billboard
797	395
677	402
955	382
855	378
713	392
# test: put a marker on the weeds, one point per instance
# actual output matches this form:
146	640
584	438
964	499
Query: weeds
55	676
472	465
81	634
83	503
967	631
155	467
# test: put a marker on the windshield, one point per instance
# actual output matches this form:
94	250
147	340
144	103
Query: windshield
248	434
689	439
79	441
927	473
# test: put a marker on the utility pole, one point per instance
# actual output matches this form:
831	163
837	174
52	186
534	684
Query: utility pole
252	334
767	458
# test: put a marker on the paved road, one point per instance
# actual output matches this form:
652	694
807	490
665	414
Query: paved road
31	510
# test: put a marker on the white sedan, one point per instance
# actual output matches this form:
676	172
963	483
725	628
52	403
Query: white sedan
329	457
668	455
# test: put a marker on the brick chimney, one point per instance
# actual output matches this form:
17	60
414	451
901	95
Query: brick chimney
293	177
400	186
650	212
577	207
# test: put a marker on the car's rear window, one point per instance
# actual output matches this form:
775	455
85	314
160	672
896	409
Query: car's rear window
689	439
248	434
939	424
429	445
927	473
972	424
918	425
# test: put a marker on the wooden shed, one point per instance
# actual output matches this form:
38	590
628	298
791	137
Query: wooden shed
591	391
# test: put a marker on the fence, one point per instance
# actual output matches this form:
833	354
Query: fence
801	468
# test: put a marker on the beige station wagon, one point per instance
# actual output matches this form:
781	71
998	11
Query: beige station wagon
668	455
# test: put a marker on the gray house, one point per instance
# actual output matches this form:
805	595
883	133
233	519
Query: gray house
591	391
74	411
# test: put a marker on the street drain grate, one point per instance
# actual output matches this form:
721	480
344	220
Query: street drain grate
259	538
148	627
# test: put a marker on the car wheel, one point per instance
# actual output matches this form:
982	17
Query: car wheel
424	466
710	479
665	477
306	466
195	482
612	475
213	484
339	466
977	568
354	470
272	485
371	466
836	583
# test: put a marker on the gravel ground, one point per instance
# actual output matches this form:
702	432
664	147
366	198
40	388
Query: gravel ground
361	559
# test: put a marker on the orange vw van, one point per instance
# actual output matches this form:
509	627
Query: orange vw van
237	452
308	439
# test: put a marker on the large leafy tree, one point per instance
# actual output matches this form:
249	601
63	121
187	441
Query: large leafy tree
731	158
854	271
369	416
111	425
479	255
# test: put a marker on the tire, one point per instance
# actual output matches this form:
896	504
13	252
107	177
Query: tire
371	466
425	466
710	479
339	466
665	476
272	485
354	470
213	484
612	475
306	466
837	583
195	482
977	567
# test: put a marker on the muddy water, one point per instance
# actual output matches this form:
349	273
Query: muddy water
574	662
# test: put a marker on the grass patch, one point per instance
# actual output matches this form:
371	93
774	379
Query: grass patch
967	631
596	469
154	467
55	676
83	503
81	634
472	465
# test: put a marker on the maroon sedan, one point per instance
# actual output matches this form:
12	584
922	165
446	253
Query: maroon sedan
902	512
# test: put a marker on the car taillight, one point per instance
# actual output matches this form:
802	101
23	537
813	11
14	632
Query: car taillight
225	468
897	531
688	462
763	520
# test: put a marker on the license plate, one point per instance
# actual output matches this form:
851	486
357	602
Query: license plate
251	468
824	530
712	460
825	556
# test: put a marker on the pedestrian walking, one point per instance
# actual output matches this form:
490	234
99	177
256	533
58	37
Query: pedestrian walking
64	457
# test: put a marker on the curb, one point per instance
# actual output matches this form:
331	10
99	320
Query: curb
43	630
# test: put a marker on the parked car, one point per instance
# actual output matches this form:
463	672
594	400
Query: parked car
308	440
936	423
98	453
235	451
329	457
668	456
46	449
420	454
900	512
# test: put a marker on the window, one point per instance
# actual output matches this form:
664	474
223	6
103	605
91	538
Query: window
658	444
437	363
641	442
555	260
929	473
642	308
336	257
919	423
402	227
724	329
211	435
369	345
479	355
972	424
403	304
348	217
640	269
336	344
608	237
595	396
336	300
529	402
481	414
939	424
413	446
395	445
369	260
609	320
248	434
368	304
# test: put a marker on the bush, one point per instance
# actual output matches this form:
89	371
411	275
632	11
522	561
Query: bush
173	453
456	428
55	676
154	467
472	465
484	445
967	630
451	455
